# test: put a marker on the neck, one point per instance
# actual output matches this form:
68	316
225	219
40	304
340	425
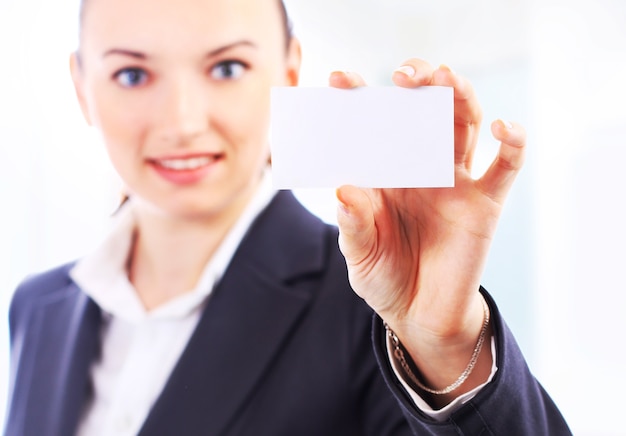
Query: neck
170	253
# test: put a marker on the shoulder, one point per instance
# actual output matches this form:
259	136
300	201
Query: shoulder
286	215
36	288
307	237
295	246
287	241
43	283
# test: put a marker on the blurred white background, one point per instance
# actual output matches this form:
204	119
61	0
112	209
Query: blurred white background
556	66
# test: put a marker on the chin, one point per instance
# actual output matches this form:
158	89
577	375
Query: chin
207	208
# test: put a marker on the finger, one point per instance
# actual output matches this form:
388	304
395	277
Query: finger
413	73
499	177
356	224
467	114
345	80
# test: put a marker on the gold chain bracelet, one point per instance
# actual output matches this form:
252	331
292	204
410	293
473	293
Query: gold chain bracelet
399	354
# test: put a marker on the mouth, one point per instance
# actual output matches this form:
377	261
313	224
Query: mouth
185	170
186	164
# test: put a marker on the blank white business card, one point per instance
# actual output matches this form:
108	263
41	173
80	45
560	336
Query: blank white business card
377	137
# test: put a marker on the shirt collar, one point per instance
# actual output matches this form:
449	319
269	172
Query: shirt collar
102	274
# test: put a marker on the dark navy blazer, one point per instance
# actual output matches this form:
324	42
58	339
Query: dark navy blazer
283	347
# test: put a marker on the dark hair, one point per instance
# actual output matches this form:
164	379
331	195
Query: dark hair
287	25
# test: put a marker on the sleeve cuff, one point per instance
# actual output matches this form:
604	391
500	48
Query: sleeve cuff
444	413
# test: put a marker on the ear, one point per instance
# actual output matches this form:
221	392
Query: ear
294	60
76	71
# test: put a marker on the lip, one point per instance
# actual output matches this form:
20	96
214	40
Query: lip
187	169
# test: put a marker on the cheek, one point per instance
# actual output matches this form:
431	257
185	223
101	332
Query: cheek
116	119
121	130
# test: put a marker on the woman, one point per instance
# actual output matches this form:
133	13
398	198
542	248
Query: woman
217	306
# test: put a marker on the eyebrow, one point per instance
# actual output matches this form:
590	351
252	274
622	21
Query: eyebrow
124	52
143	56
227	47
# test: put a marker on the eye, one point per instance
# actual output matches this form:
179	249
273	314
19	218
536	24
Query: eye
131	77
228	70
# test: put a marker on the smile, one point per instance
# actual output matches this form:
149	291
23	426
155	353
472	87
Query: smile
186	164
186	170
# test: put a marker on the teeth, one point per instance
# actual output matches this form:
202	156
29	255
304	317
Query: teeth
185	164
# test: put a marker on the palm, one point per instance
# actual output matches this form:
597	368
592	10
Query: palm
426	249
418	254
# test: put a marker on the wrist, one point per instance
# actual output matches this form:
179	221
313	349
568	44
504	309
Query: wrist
445	366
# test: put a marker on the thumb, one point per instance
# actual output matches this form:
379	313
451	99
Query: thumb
357	229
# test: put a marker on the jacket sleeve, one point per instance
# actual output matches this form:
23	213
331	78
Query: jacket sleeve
513	404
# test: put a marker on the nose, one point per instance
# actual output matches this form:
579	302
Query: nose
184	111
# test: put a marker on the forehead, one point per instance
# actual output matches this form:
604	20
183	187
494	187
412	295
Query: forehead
181	23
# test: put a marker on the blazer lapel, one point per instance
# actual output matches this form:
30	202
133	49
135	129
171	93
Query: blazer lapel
66	343
249	315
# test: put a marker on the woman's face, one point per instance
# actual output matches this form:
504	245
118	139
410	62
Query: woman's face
179	90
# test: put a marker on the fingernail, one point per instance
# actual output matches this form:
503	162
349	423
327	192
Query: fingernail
343	73
507	124
407	70
444	67
343	208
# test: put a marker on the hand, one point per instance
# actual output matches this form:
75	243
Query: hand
416	255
